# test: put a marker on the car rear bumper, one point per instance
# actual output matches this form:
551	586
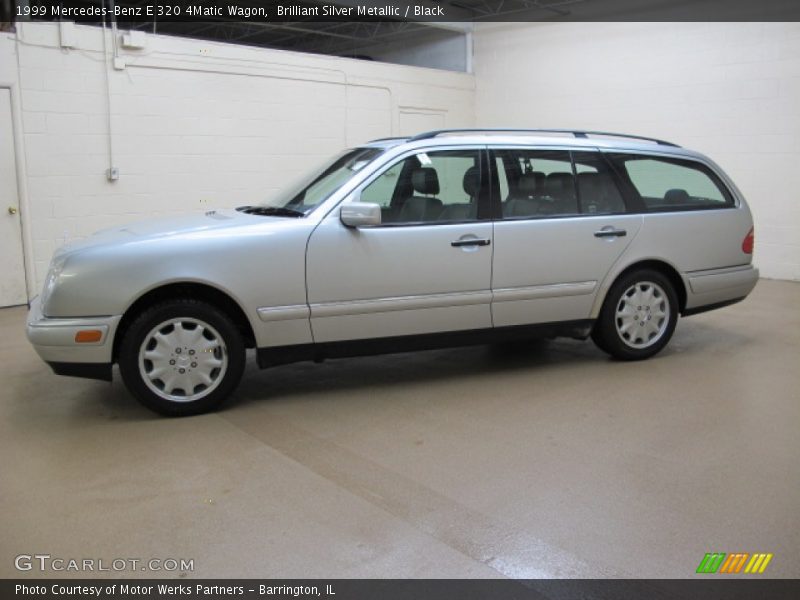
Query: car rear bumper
54	340
719	287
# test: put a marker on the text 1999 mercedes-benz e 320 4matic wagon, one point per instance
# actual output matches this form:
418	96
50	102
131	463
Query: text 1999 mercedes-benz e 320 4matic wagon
447	238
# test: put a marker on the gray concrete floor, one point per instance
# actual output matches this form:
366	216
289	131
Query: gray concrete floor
540	460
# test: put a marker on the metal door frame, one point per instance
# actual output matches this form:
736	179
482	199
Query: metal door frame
17	134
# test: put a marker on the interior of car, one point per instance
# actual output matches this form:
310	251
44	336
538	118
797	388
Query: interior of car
444	186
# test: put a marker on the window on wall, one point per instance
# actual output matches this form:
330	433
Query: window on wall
667	184
429	187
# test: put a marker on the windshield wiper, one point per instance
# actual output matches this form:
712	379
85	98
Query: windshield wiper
271	211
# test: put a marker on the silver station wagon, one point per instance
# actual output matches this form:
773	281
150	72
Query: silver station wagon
447	238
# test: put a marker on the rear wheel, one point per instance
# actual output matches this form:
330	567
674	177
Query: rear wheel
638	316
182	357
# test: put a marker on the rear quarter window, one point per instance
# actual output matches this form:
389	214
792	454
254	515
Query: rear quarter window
668	184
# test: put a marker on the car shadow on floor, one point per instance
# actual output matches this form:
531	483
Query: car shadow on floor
562	359
361	374
412	368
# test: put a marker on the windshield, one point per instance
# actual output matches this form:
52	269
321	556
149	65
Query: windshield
306	194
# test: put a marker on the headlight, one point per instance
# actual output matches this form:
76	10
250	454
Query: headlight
56	266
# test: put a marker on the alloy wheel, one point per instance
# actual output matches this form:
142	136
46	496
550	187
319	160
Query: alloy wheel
183	359
642	314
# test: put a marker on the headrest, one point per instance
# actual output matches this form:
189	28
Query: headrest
531	183
472	181
425	181
676	196
560	184
527	184
589	183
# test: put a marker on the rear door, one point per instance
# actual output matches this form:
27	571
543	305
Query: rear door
560	225
427	269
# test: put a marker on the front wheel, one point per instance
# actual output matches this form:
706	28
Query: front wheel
638	316
182	357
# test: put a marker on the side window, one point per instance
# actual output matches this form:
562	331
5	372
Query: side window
381	191
597	191
429	187
450	170
502	178
541	184
667	184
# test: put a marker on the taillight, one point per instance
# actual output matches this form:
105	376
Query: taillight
747	243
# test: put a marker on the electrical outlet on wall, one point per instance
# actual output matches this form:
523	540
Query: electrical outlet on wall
66	30
134	40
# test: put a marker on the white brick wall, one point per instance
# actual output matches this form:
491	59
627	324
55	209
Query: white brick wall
200	125
196	125
730	90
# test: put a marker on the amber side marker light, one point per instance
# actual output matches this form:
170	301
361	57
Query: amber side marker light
88	336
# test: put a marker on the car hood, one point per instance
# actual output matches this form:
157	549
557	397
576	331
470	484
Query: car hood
171	227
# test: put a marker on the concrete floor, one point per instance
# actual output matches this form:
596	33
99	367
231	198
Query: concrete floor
544	460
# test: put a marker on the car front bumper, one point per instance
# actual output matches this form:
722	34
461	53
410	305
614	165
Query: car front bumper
54	341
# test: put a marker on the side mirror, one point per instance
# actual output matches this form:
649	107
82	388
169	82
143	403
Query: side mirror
360	214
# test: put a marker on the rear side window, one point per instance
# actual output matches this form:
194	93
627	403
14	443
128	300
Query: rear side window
597	189
667	184
540	183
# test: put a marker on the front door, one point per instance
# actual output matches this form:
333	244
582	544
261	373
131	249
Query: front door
426	269
12	275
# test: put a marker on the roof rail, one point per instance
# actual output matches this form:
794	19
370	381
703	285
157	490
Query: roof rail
575	132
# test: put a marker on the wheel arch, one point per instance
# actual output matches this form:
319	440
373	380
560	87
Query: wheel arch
186	289
662	266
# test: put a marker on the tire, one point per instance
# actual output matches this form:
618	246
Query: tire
638	316
182	357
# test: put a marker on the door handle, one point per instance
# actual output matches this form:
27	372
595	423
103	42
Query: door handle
610	232
472	242
12	210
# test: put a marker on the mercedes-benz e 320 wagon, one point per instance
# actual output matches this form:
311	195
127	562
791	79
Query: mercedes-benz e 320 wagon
447	238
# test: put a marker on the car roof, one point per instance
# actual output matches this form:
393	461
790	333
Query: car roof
541	137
